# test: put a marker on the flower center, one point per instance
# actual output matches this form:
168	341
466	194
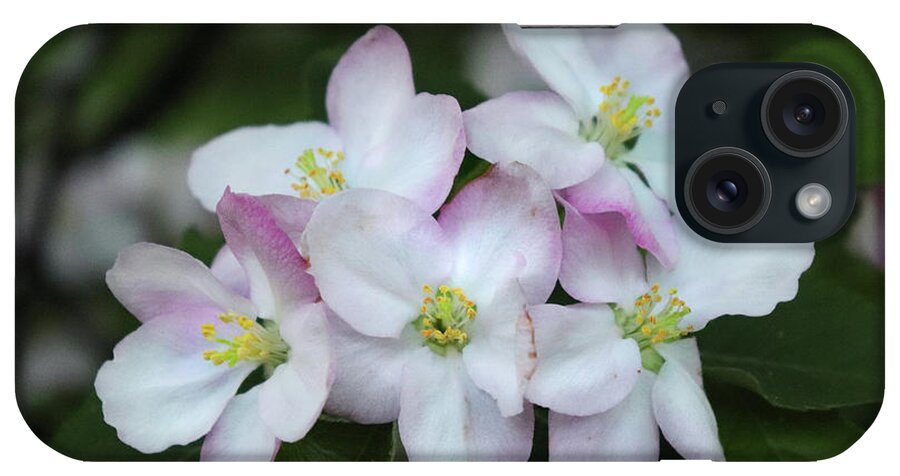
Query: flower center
316	173
620	120
443	318
652	322
260	342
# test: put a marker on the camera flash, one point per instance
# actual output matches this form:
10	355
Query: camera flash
813	201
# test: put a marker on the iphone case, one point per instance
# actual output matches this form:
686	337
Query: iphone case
421	242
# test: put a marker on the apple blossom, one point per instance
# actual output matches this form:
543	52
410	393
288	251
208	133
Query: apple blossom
430	326
174	379
622	364
602	134
381	135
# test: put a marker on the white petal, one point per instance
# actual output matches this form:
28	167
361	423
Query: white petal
291	400
226	268
584	365
368	370
600	261
575	62
152	280
504	226
684	414
627	432
444	416
564	61
253	159
371	252
498	356
715	279
158	391
538	129
370	83
419	154
240	435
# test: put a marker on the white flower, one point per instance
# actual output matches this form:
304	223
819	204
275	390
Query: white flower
618	367
431	328
605	127
174	379
381	135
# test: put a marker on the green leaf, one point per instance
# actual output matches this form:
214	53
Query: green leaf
752	430
85	436
825	349
336	441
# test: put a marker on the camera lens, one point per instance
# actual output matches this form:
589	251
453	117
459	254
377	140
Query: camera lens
804	113
727	190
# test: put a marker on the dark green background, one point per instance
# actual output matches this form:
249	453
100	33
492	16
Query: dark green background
802	384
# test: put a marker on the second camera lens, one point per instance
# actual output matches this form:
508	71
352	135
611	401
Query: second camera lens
804	113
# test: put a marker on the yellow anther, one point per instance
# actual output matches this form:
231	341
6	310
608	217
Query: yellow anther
655	288
673	291
648	123
245	322
423	309
427	300
208	330
652	319
427	289
208	354
645	330
444	288
651	100
471	313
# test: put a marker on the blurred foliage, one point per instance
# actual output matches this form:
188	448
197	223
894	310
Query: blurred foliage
785	387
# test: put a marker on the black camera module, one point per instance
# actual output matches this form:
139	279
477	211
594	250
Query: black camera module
804	113
727	190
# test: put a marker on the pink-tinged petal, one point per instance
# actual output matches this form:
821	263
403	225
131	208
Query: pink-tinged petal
371	82
684	414
291	400
444	416
600	262
622	191
274	267
240	435
504	226
290	213
500	350
253	159
227	269
576	62
537	129
152	280
627	432
419	154
564	61
371	252
584	365
758	277
494	68
368	370
158	391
